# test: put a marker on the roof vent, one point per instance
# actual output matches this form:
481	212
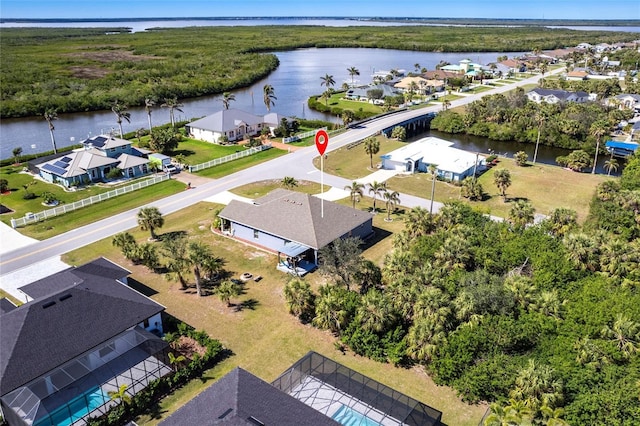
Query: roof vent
48	304
65	297
225	414
255	421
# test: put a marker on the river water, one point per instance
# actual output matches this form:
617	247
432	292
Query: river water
294	81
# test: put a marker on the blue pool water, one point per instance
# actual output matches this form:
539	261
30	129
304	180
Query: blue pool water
75	409
347	417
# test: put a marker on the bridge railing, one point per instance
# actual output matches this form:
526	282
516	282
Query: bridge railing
226	159
66	208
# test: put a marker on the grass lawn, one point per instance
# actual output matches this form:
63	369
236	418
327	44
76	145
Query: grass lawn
546	187
337	100
480	89
354	163
241	163
264	338
72	220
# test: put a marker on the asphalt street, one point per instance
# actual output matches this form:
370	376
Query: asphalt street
297	164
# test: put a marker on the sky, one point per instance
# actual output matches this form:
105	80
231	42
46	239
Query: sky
519	9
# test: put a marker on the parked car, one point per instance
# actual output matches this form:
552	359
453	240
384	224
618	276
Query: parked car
171	169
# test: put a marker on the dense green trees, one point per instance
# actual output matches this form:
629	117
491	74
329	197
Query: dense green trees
541	320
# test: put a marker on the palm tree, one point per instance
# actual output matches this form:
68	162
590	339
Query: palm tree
120	394
375	313
331	312
611	164
391	199
148	104
446	104
625	333
424	338
289	182
416	67
268	95
376	188
16	154
536	386
199	255
353	71
173	105
120	110
327	81
417	222
227	98
433	169
355	192
299	297
598	129
176	360
228	289
178	263
50	115
371	147
150	218
502	179
521	214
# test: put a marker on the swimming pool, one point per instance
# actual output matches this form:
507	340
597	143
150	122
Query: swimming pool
348	417
75	409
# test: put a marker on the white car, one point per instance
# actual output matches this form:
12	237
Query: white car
171	169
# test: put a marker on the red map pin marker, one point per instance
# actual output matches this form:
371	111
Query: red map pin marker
322	140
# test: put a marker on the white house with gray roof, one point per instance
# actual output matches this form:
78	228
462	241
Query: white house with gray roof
552	96
293	225
234	124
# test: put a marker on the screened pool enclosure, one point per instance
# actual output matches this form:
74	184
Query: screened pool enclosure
80	387
350	397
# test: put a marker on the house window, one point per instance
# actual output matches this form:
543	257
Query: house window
145	323
256	234
112	150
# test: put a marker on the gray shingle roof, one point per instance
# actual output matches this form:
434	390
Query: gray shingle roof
240	397
45	333
297	217
225	120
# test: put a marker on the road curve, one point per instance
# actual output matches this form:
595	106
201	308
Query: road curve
297	164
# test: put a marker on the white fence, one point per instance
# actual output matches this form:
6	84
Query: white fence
228	158
301	136
36	217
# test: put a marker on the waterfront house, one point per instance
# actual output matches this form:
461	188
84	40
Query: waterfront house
82	333
452	163
424	86
363	93
314	391
293	225
230	124
99	155
552	96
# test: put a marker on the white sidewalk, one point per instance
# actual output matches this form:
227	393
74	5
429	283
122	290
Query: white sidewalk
11	240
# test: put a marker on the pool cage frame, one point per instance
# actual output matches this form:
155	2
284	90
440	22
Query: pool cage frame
384	404
134	358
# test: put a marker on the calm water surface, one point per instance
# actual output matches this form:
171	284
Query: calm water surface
296	79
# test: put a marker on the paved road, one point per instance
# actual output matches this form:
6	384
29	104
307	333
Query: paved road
296	164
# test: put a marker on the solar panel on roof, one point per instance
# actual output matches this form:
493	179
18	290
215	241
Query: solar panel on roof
61	164
53	169
66	159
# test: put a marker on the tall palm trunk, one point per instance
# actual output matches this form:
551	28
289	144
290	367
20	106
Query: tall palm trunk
196	274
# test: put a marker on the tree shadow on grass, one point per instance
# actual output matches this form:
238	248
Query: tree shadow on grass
250	304
185	152
172	235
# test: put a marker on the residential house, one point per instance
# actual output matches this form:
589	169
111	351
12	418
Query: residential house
439	75
314	391
625	101
552	96
465	67
230	124
293	225
452	163
362	93
82	333
94	161
424	86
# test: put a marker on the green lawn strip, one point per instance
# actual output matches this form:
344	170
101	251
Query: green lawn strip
197	152
21	206
265	339
355	163
261	188
68	221
339	101
241	163
480	89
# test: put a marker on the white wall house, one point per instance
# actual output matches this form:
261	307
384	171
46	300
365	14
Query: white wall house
452	163
232	123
